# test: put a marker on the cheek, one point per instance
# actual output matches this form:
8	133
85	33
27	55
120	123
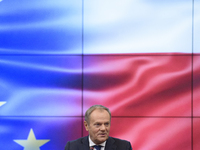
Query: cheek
95	130
108	129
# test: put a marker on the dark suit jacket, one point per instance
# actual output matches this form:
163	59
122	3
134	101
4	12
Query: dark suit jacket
111	144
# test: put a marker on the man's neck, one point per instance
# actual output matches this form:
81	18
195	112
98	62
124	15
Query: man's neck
91	143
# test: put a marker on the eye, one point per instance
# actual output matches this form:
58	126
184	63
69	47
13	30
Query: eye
106	124
97	124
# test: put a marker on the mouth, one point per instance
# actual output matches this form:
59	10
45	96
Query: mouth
102	134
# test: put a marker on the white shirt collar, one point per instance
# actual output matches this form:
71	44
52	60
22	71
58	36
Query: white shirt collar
91	143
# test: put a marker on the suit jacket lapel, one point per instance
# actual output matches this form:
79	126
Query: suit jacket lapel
85	144
110	144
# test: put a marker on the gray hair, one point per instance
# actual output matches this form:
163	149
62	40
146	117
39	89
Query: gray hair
92	108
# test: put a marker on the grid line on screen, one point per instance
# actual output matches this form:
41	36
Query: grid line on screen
82	100
192	120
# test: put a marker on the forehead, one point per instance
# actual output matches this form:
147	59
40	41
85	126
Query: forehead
99	115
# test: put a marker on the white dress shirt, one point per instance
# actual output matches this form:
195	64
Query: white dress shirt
91	143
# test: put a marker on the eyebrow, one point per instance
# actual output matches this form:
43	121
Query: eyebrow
102	122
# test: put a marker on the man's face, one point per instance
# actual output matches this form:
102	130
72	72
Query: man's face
99	126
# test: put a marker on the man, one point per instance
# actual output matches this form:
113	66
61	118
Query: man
97	123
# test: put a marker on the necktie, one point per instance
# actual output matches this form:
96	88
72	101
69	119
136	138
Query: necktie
98	147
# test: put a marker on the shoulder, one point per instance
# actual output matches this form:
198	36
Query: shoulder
75	144
119	143
118	140
78	140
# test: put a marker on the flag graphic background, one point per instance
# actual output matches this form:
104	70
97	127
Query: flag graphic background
139	58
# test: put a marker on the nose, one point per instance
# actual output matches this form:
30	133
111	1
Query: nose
103	127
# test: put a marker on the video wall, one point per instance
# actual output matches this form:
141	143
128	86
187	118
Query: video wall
141	59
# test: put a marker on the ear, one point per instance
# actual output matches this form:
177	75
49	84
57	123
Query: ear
86	126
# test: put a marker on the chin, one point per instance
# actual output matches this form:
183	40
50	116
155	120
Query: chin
103	139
